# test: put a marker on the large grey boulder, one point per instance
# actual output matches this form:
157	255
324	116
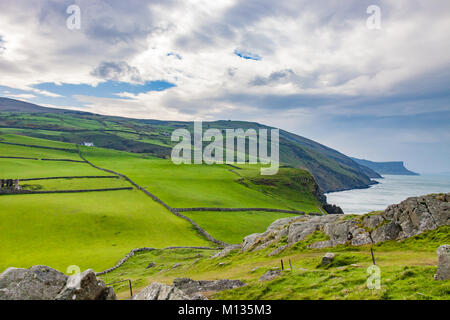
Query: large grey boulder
278	250
372	221
338	232
418	214
270	275
160	291
185	289
305	226
45	283
328	258
85	286
224	252
192	287
390	231
36	283
281	223
250	241
443	271
300	230
360	237
277	230
321	244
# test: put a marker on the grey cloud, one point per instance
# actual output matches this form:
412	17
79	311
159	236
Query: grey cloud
117	71
334	75
106	21
2	45
282	76
206	36
236	22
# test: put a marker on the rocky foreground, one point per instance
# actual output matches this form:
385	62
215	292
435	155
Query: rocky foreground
186	289
45	283
399	221
409	218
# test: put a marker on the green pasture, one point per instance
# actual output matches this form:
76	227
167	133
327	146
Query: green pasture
20	169
232	227
91	230
94	230
196	185
16	138
39	153
74	184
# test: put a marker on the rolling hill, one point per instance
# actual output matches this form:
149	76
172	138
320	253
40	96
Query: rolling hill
89	206
332	170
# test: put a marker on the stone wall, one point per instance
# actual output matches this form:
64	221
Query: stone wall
240	209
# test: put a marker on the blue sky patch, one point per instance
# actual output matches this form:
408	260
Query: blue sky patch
67	91
108	89
176	55
247	55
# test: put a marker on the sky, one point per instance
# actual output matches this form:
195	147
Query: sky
373	86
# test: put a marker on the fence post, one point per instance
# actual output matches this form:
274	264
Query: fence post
290	263
282	266
131	289
373	257
129	283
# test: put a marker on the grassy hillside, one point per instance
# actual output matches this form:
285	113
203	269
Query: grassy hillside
407	269
91	230
332	170
185	186
94	230
232	227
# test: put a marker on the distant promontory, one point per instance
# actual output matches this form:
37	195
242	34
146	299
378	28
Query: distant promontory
391	167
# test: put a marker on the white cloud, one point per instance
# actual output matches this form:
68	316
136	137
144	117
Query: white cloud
318	59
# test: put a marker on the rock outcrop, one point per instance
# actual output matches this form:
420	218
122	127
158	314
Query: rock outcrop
186	289
85	286
406	219
332	209
160	291
194	288
270	275
224	252
45	283
443	271
328	258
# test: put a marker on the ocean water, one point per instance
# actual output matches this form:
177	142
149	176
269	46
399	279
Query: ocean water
391	189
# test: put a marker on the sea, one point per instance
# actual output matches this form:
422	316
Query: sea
391	189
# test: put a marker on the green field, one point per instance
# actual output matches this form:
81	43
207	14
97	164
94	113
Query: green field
183	186
91	230
232	227
21	169
74	184
95	230
29	152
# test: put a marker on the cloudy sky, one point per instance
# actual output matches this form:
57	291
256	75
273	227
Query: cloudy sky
311	67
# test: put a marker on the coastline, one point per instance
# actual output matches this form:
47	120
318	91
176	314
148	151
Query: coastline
389	190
